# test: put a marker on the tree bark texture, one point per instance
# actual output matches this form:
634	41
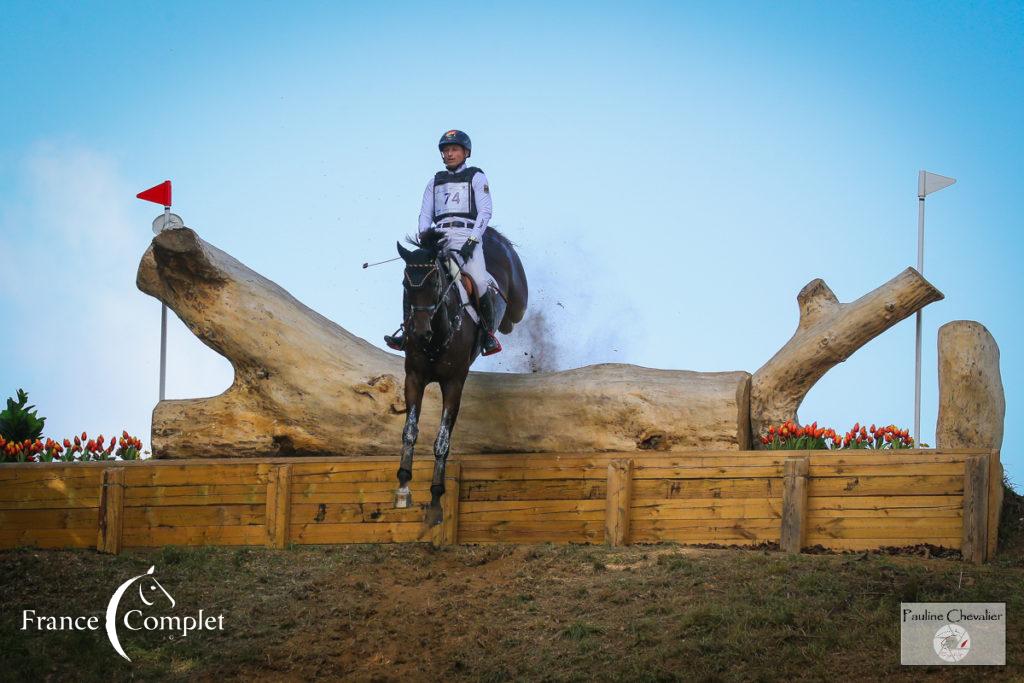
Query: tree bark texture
972	405
303	385
828	333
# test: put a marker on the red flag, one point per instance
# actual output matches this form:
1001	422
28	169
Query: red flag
159	194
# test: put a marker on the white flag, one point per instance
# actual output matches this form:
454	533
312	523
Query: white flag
931	182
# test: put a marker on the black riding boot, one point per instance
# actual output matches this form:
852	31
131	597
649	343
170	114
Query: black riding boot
492	310
397	340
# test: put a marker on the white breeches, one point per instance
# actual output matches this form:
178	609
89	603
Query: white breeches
476	267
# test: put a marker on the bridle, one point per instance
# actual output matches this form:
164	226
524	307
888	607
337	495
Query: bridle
454	321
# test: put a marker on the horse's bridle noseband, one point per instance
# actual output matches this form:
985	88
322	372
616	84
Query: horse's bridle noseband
442	301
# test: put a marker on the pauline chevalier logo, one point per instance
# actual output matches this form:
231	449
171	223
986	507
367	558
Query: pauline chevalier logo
150	593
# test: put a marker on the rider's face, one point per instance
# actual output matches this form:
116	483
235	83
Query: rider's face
453	155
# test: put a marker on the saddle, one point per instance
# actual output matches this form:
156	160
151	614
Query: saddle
467	290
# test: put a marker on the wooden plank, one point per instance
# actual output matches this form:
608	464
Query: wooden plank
48	538
556	489
357	492
696	535
539	471
860	527
975	521
553	532
995	502
710	458
196	474
379	474
837	544
195	515
618	502
883	503
708	525
46	489
471	458
278	506
647	489
206	494
141	537
447	532
682	540
71	474
553	510
794	505
954	511
306	489
704	508
377	532
350	513
360	471
699	470
886	486
111	511
72	499
66	518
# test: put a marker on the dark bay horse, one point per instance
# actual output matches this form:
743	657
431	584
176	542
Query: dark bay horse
443	341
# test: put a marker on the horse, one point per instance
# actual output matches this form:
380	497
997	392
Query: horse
442	341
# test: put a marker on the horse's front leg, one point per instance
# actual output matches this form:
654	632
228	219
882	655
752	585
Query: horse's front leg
413	400
452	391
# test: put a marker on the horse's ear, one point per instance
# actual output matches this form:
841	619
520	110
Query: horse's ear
403	252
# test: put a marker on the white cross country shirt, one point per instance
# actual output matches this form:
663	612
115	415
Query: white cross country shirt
484	207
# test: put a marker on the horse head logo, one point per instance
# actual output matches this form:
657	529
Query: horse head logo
148	586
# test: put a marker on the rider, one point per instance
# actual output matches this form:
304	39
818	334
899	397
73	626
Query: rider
458	202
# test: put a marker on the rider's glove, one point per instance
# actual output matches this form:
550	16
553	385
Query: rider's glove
467	249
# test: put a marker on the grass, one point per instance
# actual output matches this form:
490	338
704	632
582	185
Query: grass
499	613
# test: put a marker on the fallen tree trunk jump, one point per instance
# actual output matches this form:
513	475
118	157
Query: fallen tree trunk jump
303	385
828	333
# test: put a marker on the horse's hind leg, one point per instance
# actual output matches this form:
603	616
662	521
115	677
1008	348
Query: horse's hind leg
452	392
413	400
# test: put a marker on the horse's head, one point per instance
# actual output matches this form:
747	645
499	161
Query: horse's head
424	283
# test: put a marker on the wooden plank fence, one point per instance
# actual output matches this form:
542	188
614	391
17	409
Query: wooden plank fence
839	500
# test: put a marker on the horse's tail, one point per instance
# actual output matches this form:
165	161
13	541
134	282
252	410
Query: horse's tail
504	265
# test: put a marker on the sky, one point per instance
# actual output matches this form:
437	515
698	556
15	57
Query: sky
672	174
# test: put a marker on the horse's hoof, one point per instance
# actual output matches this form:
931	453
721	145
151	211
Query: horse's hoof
403	498
434	516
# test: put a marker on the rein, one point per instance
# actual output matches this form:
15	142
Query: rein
454	322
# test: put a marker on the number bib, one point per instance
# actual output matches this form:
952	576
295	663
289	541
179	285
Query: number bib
452	198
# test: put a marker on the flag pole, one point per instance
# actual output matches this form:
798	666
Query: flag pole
163	329
917	342
926	184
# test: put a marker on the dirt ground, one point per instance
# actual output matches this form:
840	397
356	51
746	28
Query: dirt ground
503	612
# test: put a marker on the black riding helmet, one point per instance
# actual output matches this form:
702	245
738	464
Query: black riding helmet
456	137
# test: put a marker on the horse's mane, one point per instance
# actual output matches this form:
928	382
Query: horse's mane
428	238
